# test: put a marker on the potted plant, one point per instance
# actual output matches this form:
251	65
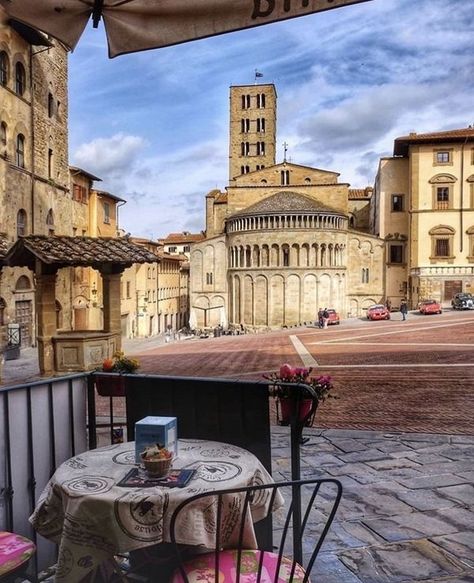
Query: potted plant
114	385
298	393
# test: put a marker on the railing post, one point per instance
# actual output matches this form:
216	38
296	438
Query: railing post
91	413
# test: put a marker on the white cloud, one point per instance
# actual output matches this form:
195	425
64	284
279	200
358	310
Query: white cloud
109	157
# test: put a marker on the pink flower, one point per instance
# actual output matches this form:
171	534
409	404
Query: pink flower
301	372
287	371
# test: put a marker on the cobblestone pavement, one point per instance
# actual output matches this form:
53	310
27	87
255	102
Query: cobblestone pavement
416	375
406	513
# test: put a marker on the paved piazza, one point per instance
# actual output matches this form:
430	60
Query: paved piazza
416	375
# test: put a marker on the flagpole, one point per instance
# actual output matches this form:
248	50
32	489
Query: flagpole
257	74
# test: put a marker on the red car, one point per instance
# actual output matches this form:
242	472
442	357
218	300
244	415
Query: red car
378	312
333	317
430	307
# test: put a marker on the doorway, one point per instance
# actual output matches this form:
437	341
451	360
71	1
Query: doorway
24	317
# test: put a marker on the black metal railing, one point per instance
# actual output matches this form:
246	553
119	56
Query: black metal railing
45	422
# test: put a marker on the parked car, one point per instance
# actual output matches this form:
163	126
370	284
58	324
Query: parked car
463	301
333	317
430	307
378	312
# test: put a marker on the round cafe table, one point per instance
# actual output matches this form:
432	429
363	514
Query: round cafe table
92	518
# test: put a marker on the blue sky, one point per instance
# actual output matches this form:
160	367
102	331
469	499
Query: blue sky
154	125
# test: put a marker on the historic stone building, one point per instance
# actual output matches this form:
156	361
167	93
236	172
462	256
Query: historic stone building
283	239
34	174
40	194
424	211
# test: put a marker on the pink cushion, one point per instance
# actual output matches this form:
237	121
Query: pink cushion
201	568
15	550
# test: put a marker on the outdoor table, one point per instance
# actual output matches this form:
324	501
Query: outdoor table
91	518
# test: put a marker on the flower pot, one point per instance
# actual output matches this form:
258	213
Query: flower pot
287	407
110	386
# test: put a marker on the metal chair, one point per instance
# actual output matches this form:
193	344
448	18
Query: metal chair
228	513
15	554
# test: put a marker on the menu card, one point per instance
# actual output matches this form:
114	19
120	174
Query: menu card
139	478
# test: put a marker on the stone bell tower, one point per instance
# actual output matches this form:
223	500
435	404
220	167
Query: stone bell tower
252	128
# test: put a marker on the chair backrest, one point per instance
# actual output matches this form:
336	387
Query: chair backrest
231	411
228	515
235	412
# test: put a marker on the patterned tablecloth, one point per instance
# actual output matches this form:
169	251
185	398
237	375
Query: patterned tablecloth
91	518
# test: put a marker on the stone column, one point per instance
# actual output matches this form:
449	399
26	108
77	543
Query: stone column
46	317
111	283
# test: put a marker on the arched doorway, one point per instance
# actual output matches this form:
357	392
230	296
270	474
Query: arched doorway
24	310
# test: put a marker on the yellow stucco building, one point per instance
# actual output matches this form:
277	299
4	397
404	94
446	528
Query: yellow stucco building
424	211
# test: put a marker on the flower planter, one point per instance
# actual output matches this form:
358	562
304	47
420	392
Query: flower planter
110	386
287	407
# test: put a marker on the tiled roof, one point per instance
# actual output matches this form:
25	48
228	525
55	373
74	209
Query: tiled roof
355	193
401	144
182	238
285	202
79	251
221	197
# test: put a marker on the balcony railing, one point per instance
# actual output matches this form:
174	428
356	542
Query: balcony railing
46	422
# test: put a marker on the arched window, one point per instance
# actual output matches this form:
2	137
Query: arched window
3	133
20	79
3	306
3	68
21	223
50	222
285	177
22	283
20	150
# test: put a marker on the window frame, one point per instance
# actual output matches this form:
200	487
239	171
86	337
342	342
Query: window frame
20	151
4	68
21	223
439	153
106	209
396	254
446	234
394	204
20	78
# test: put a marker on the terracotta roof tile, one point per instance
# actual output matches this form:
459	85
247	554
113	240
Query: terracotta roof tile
283	202
182	238
63	251
401	144
355	193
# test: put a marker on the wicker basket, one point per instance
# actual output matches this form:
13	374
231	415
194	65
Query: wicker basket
158	468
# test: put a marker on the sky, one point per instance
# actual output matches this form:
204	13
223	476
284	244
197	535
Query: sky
154	125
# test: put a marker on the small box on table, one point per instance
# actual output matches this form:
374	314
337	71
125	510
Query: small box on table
156	430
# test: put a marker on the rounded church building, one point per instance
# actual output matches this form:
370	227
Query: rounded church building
286	258
282	240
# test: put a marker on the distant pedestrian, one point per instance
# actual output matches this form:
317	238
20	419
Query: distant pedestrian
325	318
404	309
320	318
388	303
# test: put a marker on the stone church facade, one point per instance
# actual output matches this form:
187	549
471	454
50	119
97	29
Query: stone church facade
283	239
